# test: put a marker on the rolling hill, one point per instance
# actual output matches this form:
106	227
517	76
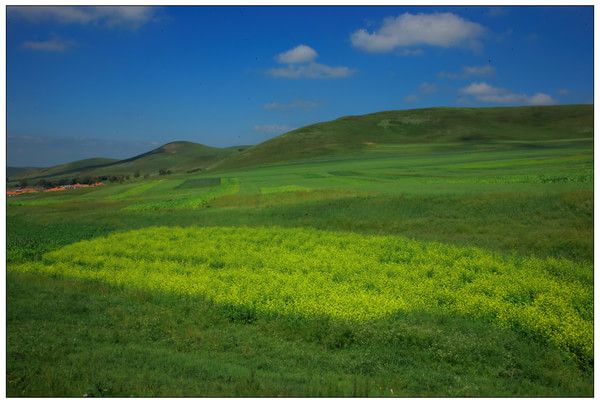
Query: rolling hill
425	126
350	134
60	170
178	156
14	171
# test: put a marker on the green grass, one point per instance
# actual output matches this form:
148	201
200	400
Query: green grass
433	126
226	186
200	182
457	268
279	189
343	276
70	337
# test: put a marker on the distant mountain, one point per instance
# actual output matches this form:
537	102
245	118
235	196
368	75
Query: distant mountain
430	126
178	156
347	135
62	169
12	171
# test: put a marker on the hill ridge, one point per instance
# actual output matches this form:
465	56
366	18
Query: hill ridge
353	133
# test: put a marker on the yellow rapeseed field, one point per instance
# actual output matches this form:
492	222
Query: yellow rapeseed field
300	271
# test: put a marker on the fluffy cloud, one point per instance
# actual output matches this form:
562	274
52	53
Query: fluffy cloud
410	52
298	104
485	70
485	92
300	64
272	128
299	54
541	99
469	71
50	45
131	17
478	89
437	29
311	70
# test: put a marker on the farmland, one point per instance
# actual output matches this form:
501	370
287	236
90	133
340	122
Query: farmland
384	264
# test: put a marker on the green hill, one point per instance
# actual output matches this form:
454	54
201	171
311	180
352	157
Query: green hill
426	126
14	171
63	169
178	156
348	135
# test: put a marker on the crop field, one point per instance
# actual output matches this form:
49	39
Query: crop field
458	269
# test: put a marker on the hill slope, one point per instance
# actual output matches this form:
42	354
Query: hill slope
348	135
14	171
179	156
429	126
63	169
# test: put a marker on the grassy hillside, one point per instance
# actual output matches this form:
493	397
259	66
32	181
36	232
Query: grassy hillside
64	169
350	135
405	269
179	156
14	171
422	126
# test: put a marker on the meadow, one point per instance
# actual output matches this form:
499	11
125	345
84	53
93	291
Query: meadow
447	269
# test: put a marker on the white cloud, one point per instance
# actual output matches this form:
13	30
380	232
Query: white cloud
299	54
130	17
485	92
272	128
541	99
484	70
410	52
50	45
412	98
311	70
298	104
497	11
480	89
563	92
437	29
469	71
428	88
64	15
300	64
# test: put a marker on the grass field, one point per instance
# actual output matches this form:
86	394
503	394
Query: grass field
446	269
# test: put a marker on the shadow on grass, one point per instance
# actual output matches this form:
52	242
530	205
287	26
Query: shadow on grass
72	338
558	224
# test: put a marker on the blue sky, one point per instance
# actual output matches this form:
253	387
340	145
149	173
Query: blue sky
114	82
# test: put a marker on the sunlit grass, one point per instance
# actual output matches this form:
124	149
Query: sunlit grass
200	199
281	189
273	271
